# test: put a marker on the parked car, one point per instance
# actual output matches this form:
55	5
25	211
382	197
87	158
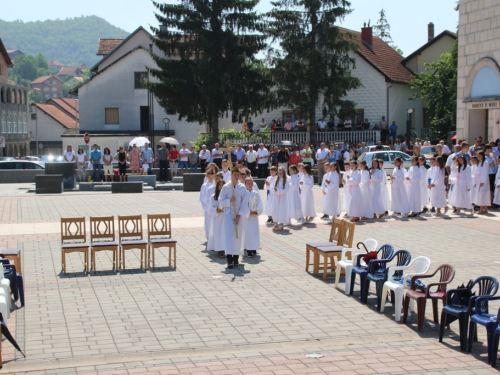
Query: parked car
21	164
374	148
428	151
7	158
388	158
31	158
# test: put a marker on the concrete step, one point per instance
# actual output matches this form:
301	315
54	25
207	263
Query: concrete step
177	179
102	187
170	186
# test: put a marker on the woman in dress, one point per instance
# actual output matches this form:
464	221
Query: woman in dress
107	160
216	213
423	184
482	181
280	201
400	201
437	187
356	209
462	185
331	200
413	179
135	157
376	184
122	164
294	204
306	195
81	160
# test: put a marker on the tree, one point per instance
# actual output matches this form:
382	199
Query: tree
209	69
437	85
312	65
383	30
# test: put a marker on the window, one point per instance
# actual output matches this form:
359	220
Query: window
9	124
139	78
46	88
15	125
359	117
111	115
54	88
294	115
381	155
54	95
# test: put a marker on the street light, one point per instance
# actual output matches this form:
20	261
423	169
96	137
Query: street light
408	124
166	121
36	123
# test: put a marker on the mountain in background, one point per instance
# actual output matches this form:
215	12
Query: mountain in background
69	41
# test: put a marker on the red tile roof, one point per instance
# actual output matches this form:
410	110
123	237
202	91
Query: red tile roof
56	63
58	115
5	55
106	45
383	58
42	79
68	105
67	70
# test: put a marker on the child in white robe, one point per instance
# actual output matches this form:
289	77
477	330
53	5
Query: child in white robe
216	212
250	218
385	188
280	201
377	183
356	209
208	195
400	201
226	173
423	183
496	196
452	180
249	175
438	190
331	200
306	196
462	186
346	178
268	186
204	199
413	179
294	205
323	188
482	181
364	186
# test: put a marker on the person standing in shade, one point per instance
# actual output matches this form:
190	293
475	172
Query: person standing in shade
122	164
174	157
288	125
262	126
251	160
183	158
250	125
147	154
306	154
217	155
240	154
322	157
193	160
262	161
163	157
135	160
95	157
283	157
273	157
204	158
383	129
322	125
393	129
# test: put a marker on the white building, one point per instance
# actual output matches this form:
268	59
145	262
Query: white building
478	84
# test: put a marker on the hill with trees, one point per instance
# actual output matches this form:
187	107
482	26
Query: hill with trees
70	41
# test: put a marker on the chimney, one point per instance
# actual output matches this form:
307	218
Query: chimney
430	31
367	37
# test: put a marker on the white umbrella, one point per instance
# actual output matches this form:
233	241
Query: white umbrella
170	140
139	141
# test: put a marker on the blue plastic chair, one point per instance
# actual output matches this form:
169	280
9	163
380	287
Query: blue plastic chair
16	281
496	339
489	321
488	287
377	272
385	252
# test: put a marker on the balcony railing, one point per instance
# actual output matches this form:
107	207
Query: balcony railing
16	137
351	137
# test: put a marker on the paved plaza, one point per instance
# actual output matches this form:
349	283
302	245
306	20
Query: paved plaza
264	317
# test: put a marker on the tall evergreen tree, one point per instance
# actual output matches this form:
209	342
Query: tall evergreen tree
383	30
210	67
311	64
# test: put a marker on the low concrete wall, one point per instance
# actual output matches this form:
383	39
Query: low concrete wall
14	176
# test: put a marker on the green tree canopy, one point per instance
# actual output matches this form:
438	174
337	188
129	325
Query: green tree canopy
210	69
311	64
28	68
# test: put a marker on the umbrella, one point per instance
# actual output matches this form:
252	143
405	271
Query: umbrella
454	137
8	336
287	144
170	141
139	141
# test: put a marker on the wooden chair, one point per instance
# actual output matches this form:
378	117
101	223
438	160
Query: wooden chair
130	237
102	238
336	232
160	235
74	240
330	252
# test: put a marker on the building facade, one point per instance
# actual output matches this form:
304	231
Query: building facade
478	84
49	86
13	111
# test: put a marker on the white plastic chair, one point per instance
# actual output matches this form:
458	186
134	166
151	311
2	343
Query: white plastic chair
5	288
370	245
421	265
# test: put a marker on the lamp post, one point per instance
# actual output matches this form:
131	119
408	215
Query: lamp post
408	124
36	123
166	121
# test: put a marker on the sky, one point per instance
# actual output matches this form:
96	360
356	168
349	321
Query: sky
408	19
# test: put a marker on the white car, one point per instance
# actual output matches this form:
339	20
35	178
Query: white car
388	158
374	148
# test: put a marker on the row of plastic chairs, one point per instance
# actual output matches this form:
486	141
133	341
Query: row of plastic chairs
11	283
130	236
458	304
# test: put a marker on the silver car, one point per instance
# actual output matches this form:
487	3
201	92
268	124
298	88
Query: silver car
21	164
388	158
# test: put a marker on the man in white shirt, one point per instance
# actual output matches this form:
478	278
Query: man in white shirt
217	155
251	159
204	158
263	125
347	158
363	148
322	156
262	161
446	149
322	125
183	158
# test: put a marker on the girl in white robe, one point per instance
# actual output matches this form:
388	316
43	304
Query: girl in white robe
385	188
413	179
306	196
400	201
423	184
268	187
452	180
462	186
356	209
323	188
438	189
346	178
376	184
204	199
216	212
294	204
482	181
252	208
496	196
280	201
364	186
331	200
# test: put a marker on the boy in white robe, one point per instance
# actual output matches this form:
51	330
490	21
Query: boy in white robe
294	204
204	200
252	208
268	186
324	187
208	196
226	173
216	212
